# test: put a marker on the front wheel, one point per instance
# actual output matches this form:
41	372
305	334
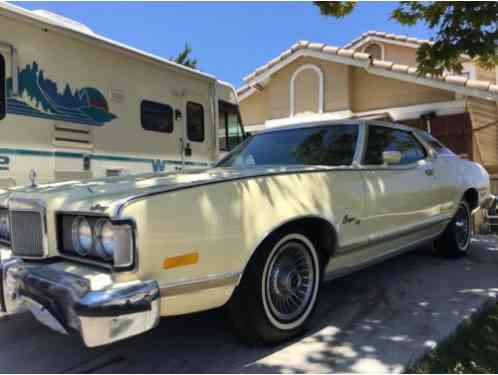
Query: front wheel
455	240
279	289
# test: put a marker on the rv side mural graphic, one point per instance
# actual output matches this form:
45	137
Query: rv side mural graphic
40	97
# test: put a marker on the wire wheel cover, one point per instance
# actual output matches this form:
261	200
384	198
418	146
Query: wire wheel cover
290	281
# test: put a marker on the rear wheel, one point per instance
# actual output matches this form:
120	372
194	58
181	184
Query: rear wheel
279	289
455	240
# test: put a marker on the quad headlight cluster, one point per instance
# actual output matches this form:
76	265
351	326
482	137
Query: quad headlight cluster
98	239
4	225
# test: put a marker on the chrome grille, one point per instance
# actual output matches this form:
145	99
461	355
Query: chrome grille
27	233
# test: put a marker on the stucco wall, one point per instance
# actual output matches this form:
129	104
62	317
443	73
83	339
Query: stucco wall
345	88
274	101
255	109
374	92
400	54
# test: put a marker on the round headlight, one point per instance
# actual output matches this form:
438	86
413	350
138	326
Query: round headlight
4	225
106	240
82	236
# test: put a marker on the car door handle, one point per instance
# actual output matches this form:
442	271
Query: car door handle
429	172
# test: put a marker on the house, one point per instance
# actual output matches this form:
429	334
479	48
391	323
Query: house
375	76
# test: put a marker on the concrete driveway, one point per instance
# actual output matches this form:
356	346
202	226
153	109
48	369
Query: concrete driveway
377	320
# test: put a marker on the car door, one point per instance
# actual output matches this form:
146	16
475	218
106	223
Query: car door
446	175
400	197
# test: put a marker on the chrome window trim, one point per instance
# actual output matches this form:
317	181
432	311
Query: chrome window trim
30	205
361	143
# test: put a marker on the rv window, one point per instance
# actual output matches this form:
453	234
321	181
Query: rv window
230	127
195	122
2	87
156	117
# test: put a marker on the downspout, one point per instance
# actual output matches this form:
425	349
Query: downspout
13	66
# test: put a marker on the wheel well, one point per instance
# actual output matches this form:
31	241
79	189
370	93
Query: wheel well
319	231
472	198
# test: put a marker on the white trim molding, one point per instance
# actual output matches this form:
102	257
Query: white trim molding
319	72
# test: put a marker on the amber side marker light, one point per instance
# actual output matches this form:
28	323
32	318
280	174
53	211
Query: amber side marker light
181	260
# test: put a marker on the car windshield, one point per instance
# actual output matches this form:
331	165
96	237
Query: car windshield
331	145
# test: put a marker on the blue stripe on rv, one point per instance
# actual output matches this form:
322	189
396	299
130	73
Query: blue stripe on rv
157	164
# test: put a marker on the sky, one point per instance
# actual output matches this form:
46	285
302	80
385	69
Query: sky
229	39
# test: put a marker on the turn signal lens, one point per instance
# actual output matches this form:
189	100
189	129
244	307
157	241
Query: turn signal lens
181	260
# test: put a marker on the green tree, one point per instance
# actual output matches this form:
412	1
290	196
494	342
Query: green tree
466	27
183	58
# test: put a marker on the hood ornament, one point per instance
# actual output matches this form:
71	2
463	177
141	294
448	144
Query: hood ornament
32	177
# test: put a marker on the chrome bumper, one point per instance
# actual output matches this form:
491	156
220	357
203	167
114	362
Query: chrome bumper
66	303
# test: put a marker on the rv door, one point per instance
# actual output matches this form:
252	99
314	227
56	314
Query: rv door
196	143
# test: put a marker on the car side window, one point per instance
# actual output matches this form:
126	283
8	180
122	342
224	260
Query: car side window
382	139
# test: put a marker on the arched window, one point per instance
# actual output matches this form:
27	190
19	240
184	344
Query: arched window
306	90
375	50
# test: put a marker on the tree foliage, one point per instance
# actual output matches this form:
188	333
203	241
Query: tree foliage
184	59
460	28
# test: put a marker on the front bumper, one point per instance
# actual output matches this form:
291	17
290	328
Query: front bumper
66	302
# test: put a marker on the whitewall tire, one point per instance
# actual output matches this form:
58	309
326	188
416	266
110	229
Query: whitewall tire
279	289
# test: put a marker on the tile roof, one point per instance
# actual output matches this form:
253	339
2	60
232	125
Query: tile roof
485	87
387	36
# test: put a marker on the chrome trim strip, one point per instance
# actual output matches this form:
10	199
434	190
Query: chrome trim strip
374	240
198	285
361	143
378	259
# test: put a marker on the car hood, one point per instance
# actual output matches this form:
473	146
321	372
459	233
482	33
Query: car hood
104	195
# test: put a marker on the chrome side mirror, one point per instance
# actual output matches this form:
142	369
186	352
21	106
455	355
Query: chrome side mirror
391	157
432	154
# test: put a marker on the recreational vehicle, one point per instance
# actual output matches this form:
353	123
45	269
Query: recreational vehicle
76	105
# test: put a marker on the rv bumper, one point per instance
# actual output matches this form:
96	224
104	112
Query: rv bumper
66	303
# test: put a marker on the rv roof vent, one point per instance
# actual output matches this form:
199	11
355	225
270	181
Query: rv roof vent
63	21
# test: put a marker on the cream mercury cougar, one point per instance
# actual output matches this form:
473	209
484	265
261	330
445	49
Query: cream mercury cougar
288	209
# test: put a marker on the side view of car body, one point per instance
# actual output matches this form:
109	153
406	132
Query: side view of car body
287	209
